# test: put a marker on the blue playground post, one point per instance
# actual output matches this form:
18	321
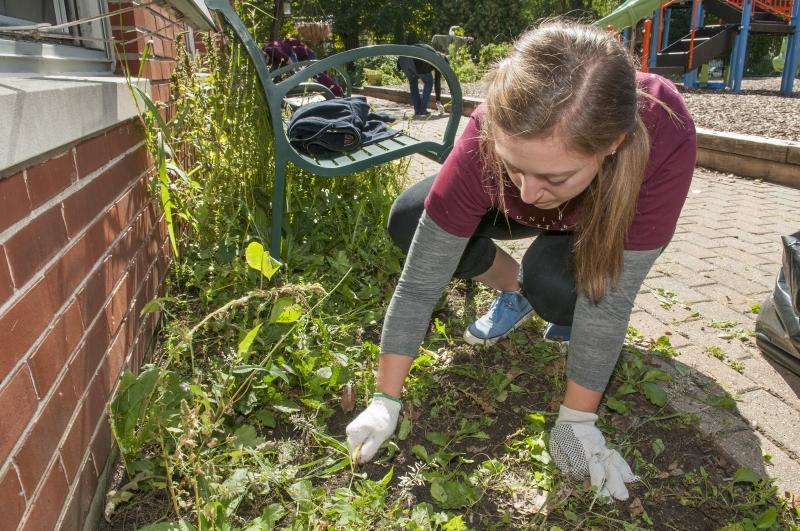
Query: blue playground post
665	31
792	52
654	39
690	78
740	46
626	36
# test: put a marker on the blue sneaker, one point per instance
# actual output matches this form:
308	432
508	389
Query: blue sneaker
506	313
554	332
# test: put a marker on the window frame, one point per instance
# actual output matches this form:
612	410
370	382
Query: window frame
25	56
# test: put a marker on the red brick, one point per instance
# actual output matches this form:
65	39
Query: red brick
50	178
6	284
150	21
23	323
158	47
129	18
90	357
46	507
101	445
125	137
75	515
92	297
118	351
82	429
40	444
15	200
91	154
34	244
12	499
52	354
132	43
130	204
74	266
117	307
17	404
85	204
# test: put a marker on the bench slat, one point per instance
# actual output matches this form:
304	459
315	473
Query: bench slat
367	152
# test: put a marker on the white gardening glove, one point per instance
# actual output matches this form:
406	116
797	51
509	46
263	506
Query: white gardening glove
579	450
372	427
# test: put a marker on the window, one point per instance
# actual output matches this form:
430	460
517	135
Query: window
81	48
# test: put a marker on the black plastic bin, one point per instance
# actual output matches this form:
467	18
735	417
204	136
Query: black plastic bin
778	324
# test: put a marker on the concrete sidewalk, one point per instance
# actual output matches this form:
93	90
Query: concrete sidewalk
722	260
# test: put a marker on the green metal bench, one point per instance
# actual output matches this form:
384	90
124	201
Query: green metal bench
363	158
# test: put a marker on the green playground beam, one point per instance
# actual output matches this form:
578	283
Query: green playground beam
629	14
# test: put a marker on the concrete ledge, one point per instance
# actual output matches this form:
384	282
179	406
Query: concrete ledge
758	157
41	114
402	96
758	147
785	173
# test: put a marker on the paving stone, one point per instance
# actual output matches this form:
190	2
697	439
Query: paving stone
684	274
781	382
652	328
756	239
700	334
687	261
702	230
780	467
686	397
715	221
691	249
746	309
684	293
747	447
700	240
710	367
652	304
725	295
714	310
736	265
742	257
772	416
769	269
743	285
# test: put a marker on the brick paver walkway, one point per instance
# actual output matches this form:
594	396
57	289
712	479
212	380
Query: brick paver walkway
723	260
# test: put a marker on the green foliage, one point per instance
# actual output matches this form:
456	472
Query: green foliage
239	355
760	51
491	53
462	64
382	68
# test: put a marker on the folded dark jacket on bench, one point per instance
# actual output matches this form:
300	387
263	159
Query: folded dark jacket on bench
331	127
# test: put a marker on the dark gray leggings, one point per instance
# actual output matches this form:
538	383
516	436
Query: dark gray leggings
547	271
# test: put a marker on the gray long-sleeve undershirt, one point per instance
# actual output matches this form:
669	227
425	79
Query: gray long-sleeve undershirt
598	330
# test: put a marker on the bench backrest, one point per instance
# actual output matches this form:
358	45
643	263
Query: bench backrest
271	93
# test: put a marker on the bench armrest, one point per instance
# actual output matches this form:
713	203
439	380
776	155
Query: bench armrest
303	64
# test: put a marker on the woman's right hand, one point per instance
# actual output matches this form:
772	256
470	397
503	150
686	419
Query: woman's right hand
369	430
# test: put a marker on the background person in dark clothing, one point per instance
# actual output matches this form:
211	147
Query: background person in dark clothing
416	70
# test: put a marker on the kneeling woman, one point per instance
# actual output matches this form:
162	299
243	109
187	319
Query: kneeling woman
575	147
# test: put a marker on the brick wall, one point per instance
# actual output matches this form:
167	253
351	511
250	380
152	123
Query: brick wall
133	29
82	249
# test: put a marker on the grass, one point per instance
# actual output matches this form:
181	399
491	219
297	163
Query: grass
238	420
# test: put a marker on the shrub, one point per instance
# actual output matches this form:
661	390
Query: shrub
465	68
491	53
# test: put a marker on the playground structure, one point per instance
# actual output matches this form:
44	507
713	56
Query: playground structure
736	21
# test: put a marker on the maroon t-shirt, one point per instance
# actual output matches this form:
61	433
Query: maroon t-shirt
463	190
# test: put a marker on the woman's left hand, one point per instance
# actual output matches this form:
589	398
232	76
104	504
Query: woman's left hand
579	450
